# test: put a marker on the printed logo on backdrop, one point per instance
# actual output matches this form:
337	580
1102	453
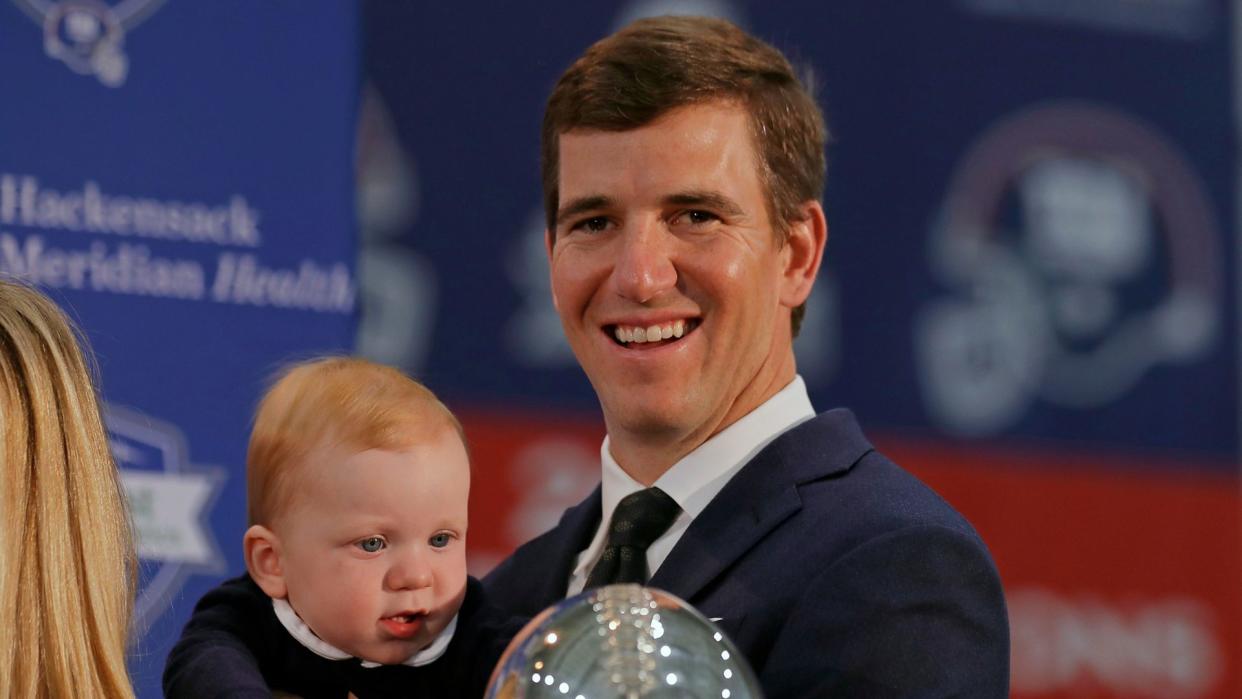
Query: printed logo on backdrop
1154	649
533	335
169	501
398	287
116	253
1081	252
1183	19
551	475
89	35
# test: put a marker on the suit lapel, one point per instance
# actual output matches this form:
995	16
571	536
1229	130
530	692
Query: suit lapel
719	536
762	496
563	544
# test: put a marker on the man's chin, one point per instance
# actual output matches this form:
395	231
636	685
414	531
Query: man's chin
653	422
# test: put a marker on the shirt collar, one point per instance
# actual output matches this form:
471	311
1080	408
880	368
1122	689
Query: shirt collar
303	634
694	480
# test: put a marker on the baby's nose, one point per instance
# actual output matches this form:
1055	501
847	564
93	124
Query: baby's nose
409	572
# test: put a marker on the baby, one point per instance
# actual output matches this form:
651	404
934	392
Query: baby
358	481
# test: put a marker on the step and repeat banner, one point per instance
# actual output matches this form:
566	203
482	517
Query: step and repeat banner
179	176
1029	295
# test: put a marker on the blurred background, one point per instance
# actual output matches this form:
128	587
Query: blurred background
1030	294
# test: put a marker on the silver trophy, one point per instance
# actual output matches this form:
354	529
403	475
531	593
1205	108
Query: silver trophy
622	642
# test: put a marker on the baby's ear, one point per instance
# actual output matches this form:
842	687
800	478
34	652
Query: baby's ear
262	551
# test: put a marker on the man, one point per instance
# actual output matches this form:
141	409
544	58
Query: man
682	170
683	164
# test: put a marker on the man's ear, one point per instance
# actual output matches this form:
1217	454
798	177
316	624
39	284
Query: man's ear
549	240
803	253
263	559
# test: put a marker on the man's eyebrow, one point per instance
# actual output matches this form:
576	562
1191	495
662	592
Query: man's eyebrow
580	206
714	201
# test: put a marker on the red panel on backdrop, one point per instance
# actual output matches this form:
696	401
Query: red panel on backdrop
526	471
1122	573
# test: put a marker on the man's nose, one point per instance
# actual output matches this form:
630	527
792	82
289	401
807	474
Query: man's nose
644	266
409	571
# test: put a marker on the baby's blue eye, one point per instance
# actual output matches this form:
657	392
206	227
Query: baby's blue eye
440	540
372	544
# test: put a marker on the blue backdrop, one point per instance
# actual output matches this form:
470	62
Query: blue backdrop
1030	210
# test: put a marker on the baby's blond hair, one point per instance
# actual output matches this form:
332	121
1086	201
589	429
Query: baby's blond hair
333	401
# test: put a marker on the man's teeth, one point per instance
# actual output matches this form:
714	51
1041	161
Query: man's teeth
628	334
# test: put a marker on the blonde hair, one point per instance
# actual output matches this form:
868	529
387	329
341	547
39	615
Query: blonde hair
333	401
67	561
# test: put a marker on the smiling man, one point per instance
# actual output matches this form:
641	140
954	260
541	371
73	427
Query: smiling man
683	163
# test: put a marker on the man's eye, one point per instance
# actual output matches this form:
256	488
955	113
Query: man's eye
440	540
699	217
595	224
371	544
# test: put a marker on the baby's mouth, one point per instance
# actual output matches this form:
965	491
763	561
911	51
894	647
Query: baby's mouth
404	625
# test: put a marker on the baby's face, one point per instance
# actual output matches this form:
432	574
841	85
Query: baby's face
374	546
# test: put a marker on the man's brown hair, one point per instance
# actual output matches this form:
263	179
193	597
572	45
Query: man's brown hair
652	66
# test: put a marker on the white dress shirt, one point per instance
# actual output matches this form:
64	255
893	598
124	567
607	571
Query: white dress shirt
694	480
303	634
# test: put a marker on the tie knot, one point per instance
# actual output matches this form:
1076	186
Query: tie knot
641	517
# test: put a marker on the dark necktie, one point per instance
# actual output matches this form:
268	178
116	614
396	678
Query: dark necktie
640	519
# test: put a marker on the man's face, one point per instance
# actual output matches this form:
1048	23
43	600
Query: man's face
373	546
666	273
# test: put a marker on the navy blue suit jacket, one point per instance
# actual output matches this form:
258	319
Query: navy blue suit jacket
834	571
